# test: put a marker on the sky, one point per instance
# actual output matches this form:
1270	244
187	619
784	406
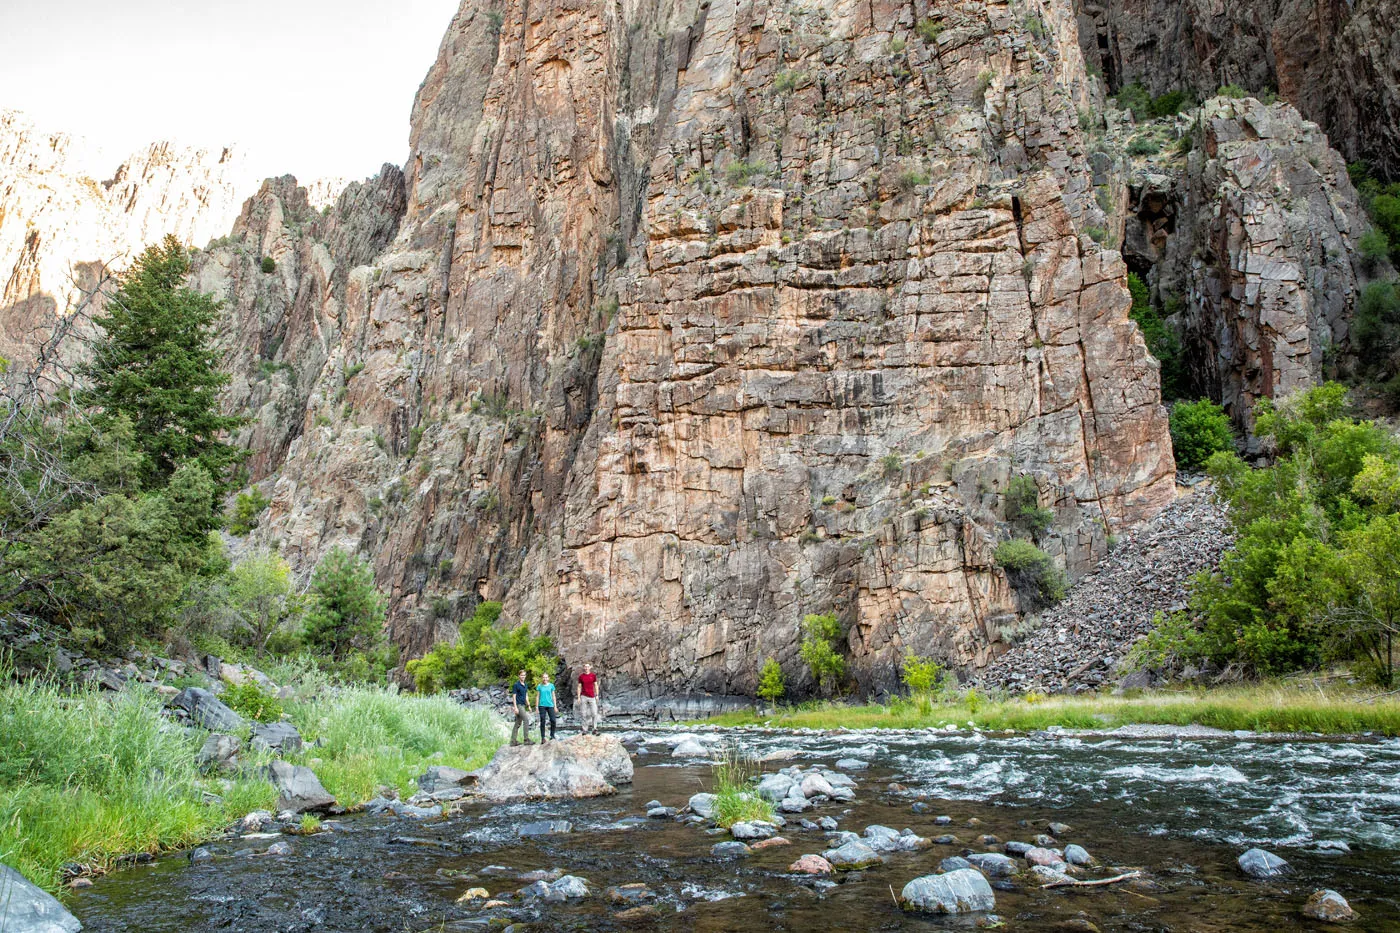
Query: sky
315	88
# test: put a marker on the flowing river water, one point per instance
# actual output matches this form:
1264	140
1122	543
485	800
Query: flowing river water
1182	809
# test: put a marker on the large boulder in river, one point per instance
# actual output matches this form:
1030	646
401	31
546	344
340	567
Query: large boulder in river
957	892
207	710
26	908
298	788
579	766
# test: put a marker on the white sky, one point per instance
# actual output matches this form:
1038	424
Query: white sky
311	87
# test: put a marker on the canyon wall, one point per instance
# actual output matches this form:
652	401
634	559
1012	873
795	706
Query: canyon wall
697	317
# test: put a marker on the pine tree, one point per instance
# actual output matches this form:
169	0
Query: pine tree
347	610
155	364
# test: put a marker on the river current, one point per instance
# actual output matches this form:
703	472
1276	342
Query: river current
1179	808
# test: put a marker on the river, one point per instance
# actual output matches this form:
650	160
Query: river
1180	808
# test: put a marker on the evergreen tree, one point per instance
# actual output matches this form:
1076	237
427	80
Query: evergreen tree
347	610
154	364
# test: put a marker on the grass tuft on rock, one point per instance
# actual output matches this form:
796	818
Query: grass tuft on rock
735	801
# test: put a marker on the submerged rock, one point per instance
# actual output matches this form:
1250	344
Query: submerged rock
730	850
25	908
1329	907
579	766
546	828
960	891
1260	864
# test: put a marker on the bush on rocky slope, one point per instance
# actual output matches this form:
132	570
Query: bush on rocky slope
1199	430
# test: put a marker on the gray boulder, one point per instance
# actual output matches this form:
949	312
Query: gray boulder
1329	907
441	777
546	828
569	887
1017	848
852	856
993	864
25	908
219	751
730	850
279	737
1077	855
703	805
755	830
956	892
852	764
954	863
774	787
690	748
298	788
1048	875
1260	864
207	710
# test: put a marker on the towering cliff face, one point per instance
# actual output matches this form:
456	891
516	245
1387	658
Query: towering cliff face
59	226
1337	61
686	319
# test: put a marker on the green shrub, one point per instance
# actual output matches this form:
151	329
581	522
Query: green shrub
1314	569
1032	573
1023	506
891	464
246	509
1143	106
771	683
483	654
1162	342
1374	247
909	179
785	82
929	30
1033	25
1143	146
1377	329
251	701
269	265
1232	91
922	676
1097	234
744	171
819	632
1173	642
1199	429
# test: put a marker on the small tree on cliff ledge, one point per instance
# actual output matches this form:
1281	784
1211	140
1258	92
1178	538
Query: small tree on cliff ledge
818	633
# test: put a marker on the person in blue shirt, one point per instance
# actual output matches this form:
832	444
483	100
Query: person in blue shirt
546	707
520	702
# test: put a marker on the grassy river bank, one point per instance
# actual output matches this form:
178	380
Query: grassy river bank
1291	706
90	778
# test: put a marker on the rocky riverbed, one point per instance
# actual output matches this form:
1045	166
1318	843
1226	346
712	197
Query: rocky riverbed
875	830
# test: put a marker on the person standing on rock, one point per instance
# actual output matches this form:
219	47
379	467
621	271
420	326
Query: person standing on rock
588	700
520	702
546	707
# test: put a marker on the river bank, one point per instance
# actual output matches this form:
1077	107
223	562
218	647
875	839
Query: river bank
1277	707
92	779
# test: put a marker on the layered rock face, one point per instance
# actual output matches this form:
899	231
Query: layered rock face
59	226
687	319
1254	235
1337	61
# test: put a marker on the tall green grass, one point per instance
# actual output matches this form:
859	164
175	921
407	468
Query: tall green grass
735	801
372	737
87	778
1274	707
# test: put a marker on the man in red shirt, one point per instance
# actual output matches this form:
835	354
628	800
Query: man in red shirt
588	696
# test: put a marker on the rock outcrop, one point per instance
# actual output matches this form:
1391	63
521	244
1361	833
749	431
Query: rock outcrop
670	341
60	225
1337	61
579	766
25	907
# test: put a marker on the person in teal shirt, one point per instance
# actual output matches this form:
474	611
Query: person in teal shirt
545	704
